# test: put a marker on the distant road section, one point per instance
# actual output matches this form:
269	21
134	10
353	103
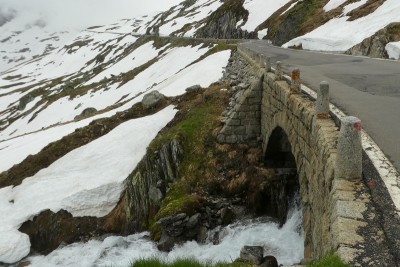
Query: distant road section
363	87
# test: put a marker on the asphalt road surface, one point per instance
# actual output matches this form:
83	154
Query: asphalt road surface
363	87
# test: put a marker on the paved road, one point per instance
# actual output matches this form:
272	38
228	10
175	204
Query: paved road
363	87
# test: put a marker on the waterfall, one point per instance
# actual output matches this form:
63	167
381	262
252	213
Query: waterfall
285	243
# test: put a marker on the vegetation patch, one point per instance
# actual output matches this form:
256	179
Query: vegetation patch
184	263
329	261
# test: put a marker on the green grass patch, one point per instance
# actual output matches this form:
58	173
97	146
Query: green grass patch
193	127
329	261
183	263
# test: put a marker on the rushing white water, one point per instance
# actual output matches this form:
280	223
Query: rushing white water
285	243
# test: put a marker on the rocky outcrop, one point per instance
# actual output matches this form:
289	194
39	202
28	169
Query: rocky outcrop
86	113
49	230
374	46
223	22
148	185
304	17
214	212
24	101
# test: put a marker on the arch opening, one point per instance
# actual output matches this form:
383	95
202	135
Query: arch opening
279	151
285	190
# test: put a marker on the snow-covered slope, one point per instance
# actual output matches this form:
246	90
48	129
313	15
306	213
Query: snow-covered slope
107	69
86	182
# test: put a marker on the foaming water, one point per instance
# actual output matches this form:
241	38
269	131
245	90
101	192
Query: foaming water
285	243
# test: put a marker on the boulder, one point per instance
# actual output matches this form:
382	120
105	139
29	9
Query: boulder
151	99
85	113
252	254
194	88
269	261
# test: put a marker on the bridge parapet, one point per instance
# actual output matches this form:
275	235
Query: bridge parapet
334	201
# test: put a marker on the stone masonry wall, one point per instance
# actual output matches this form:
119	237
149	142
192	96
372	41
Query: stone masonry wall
335	209
243	123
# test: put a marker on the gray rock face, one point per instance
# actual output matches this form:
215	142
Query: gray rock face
252	254
151	99
148	185
24	101
222	23
374	46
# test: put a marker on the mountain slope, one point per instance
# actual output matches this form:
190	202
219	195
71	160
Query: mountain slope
103	72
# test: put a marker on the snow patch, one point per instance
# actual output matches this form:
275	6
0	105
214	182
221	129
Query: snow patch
203	73
393	50
350	7
261	34
86	182
332	4
260	11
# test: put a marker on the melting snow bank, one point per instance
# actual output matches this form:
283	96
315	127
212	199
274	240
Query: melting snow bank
285	243
393	50
87	181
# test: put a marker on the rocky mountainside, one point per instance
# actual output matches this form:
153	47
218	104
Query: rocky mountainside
80	119
325	25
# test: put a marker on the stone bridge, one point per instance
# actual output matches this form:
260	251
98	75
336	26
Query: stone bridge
297	131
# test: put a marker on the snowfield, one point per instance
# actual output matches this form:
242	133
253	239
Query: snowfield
94	181
339	34
91	186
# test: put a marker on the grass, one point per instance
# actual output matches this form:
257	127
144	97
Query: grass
329	261
183	263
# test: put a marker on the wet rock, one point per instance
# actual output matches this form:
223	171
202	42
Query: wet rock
269	261
48	230
193	221
252	254
151	99
202	234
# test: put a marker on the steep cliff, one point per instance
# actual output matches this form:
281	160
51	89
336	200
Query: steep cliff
149	184
223	22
